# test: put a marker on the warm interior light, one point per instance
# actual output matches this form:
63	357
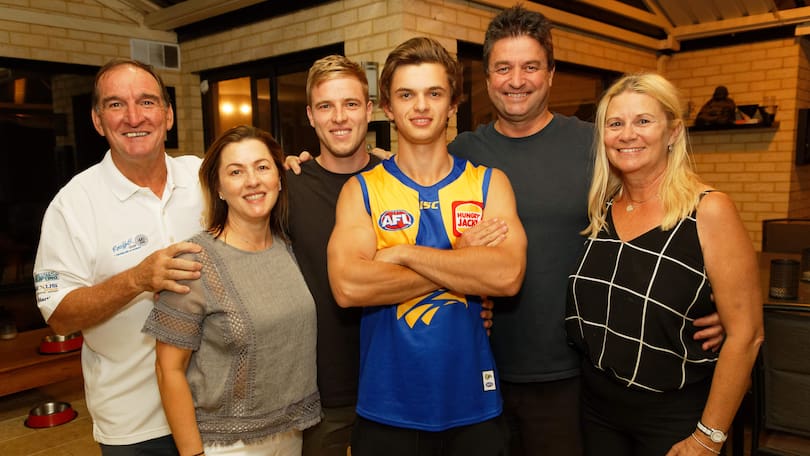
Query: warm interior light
244	108
19	91
226	108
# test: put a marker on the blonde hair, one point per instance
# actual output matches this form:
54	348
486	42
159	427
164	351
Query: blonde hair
334	67
680	186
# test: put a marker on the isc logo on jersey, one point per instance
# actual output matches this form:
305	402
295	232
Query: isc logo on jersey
395	220
466	214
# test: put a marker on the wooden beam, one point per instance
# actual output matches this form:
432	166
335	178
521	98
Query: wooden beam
88	25
742	24
631	12
573	21
656	9
191	11
145	6
125	9
802	29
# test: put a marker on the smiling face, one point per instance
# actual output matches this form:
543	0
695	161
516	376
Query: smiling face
340	114
519	79
420	103
248	181
132	115
637	134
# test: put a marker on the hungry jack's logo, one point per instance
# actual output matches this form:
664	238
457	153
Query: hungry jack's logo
466	214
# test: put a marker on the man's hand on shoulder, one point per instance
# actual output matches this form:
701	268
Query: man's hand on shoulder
382	154
162	269
293	163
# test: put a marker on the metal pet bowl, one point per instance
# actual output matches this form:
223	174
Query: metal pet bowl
61	344
50	414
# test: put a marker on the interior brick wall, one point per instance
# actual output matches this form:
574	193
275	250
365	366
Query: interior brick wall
756	167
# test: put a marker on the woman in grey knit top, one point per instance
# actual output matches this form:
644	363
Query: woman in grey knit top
236	355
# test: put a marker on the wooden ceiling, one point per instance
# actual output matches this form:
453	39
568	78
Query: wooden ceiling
652	24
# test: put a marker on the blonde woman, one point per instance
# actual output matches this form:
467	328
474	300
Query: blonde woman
664	248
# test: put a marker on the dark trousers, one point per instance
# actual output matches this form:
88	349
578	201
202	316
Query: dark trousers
543	417
332	435
487	438
623	421
161	446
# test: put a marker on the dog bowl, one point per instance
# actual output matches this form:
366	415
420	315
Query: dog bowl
50	414
61	344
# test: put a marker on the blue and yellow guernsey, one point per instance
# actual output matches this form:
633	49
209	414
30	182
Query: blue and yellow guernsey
426	363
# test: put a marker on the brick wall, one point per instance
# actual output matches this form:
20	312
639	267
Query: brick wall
755	168
799	204
88	33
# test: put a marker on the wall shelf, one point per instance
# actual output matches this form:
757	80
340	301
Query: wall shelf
733	128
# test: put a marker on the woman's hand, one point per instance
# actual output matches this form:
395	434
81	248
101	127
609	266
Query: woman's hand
694	446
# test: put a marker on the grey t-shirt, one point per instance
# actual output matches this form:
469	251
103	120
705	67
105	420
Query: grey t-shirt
250	321
550	173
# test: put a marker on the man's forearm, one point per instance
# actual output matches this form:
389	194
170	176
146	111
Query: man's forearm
88	306
375	283
484	271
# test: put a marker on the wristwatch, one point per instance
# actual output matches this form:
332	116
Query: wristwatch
716	435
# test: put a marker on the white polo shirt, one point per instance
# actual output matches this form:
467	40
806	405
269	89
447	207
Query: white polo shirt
98	225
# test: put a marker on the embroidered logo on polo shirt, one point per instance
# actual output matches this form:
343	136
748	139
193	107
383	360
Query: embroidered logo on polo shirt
130	245
46	282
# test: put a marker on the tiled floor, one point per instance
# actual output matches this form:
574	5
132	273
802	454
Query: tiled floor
70	439
76	437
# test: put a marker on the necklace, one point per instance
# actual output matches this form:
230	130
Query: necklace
251	246
631	205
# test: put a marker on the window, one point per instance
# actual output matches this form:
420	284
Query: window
270	94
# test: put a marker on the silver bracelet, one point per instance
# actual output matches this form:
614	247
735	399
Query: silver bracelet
703	444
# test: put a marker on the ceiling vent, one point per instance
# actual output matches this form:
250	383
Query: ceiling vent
157	54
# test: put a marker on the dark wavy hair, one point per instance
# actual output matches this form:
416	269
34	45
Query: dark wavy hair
515	22
216	210
414	52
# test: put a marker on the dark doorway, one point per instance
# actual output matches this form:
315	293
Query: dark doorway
46	137
90	146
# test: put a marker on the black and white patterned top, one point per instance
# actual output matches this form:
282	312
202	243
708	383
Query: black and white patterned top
631	306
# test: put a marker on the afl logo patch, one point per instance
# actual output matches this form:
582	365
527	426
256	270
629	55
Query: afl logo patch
466	214
395	220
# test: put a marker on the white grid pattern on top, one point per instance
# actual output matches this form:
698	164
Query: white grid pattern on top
632	303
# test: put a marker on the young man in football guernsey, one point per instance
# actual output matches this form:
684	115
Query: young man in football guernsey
427	375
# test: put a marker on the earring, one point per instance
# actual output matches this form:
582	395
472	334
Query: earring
221	197
279	186
669	147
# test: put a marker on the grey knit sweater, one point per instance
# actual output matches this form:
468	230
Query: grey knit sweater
250	321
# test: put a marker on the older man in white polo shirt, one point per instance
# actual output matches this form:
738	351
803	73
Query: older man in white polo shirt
103	254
